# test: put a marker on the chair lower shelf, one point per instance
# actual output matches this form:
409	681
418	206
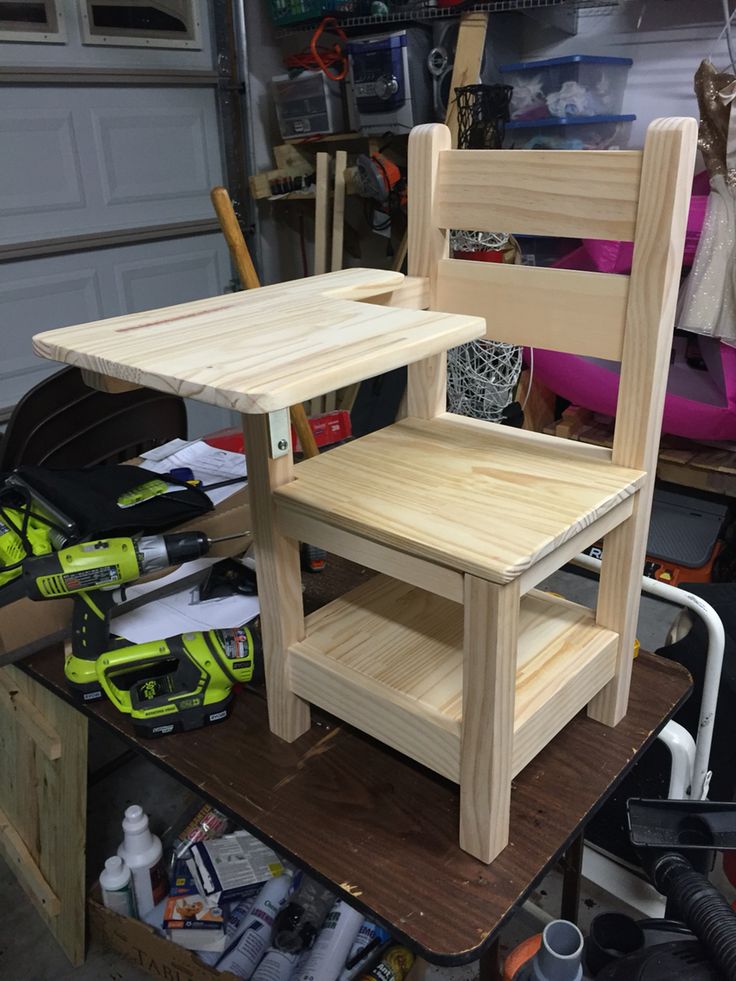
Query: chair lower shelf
387	658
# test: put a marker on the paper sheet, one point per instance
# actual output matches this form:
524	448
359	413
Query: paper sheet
206	462
168	616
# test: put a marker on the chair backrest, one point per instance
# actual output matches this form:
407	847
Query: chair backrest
64	424
639	196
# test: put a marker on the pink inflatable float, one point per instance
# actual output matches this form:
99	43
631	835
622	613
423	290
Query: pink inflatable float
701	400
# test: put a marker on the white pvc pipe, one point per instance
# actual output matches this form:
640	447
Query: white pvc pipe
682	750
713	666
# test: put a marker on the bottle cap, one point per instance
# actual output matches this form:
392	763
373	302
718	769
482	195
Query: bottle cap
114	864
135	820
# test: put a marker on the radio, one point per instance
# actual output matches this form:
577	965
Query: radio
390	80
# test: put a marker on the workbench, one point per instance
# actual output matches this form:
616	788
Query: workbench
381	830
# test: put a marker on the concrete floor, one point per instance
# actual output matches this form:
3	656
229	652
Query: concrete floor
29	953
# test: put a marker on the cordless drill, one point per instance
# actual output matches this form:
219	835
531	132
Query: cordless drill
88	572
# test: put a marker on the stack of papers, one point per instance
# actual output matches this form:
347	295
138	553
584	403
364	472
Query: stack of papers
206	462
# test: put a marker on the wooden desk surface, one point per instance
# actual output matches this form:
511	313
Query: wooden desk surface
262	350
370	822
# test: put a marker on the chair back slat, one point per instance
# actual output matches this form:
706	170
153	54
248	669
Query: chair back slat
564	193
557	309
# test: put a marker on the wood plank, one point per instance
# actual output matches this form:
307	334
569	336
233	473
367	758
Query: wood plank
407	568
43	803
368	820
279	579
261	350
669	155
490	643
426	387
338	209
513	502
25	868
392	660
555	309
468	59
321	213
528	192
30	718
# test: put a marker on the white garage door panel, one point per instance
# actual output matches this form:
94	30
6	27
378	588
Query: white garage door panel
39	143
149	157
28	303
41	294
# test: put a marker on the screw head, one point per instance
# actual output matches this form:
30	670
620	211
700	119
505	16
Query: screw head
282	444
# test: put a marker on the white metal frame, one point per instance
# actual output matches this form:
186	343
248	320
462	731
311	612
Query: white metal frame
41	37
138	41
690	776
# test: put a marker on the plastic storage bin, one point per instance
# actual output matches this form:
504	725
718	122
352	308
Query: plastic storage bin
576	85
570	133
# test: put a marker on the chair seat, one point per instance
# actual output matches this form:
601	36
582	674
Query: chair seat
474	497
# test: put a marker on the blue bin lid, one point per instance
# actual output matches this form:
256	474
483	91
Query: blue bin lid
567	121
525	66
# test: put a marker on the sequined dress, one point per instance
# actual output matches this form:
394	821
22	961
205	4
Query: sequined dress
708	298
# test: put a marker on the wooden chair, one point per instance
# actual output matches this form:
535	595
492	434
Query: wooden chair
450	655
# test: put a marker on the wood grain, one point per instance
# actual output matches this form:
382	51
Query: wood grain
426	387
669	155
368	819
468	59
490	641
279	580
264	349
512	503
555	309
388	658
338	209
568	193
321	213
43	802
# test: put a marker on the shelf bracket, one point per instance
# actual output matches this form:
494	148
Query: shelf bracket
279	433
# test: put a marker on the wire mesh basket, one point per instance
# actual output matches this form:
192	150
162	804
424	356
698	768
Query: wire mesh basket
482	112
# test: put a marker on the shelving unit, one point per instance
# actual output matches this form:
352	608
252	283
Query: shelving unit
425	12
387	657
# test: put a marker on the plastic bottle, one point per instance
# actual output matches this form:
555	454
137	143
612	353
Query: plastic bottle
235	924
371	937
295	930
243	959
142	853
394	966
333	944
117	887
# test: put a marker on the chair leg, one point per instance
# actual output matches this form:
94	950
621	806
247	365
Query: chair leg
279	580
619	595
489	688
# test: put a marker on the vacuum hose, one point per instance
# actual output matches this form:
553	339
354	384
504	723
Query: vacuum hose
701	907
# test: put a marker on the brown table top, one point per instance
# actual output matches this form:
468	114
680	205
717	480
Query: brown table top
383	829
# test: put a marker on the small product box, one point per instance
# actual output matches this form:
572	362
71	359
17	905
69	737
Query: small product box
188	918
575	85
232	867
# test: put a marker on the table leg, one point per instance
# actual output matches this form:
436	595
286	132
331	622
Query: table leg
572	864
279	579
489	965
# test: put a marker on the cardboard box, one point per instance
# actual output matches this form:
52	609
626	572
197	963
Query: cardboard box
148	950
27	626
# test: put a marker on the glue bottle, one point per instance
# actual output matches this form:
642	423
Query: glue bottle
117	887
330	951
143	854
371	939
242	959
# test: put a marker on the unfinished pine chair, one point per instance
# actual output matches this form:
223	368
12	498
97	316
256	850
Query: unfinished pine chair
449	655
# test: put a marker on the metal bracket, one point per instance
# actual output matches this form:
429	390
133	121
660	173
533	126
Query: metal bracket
279	433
